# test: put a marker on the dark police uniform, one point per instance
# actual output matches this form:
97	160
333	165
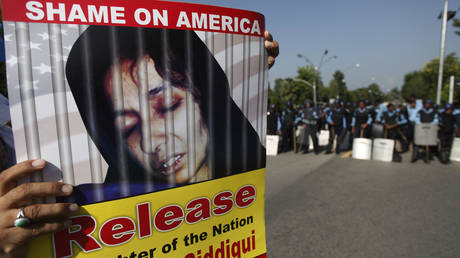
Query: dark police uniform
395	133
337	126
446	135
310	120
360	117
424	116
273	122
287	119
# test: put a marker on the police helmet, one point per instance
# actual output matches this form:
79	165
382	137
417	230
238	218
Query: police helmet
449	106
428	101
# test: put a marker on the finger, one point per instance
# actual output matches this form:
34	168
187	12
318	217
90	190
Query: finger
268	36
271	61
41	213
22	235
268	45
272	48
22	194
276	48
9	177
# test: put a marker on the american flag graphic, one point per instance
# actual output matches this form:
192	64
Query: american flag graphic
46	121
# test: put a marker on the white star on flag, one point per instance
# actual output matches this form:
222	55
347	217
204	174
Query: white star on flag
43	68
7	37
12	61
44	35
35	46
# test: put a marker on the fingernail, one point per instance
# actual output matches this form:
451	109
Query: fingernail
73	207
39	163
66	188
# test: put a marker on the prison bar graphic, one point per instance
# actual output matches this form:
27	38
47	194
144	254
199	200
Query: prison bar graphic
47	123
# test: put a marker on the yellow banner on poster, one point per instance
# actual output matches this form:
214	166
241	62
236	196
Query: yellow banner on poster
221	218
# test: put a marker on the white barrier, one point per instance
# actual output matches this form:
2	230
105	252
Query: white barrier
362	148
323	138
455	153
426	134
272	145
383	150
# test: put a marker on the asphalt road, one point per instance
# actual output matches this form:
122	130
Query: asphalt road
327	206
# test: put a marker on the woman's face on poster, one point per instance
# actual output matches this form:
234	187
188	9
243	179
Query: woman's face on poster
160	108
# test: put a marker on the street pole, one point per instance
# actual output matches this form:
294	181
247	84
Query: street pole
314	92
441	58
451	89
309	84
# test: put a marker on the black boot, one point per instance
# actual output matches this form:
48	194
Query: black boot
305	149
396	157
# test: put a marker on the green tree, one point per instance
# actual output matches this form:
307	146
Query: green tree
457	25
296	91
415	84
337	85
423	83
371	92
393	94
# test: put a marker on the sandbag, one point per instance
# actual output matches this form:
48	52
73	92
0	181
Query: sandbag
383	149
362	148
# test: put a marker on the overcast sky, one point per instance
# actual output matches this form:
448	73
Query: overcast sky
388	38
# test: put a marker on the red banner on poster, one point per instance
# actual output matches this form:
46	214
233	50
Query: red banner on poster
154	14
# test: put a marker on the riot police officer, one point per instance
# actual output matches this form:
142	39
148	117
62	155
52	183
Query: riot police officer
273	121
392	120
361	122
337	126
456	114
425	115
310	123
287	127
324	112
446	132
412	109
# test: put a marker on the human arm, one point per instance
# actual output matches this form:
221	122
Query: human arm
436	119
402	120
417	118
329	118
369	120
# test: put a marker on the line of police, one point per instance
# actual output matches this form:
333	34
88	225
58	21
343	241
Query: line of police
345	122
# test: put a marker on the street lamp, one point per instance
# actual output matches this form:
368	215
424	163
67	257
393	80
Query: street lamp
309	84
317	68
445	16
